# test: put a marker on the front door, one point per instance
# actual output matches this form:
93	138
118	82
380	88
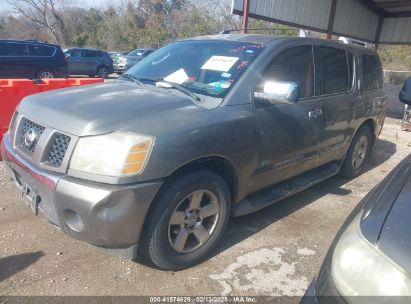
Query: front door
14	60
90	59
75	66
289	133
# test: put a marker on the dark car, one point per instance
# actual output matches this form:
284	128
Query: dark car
201	130
123	62
31	59
371	254
91	62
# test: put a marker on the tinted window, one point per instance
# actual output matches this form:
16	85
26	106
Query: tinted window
13	49
336	76
294	65
73	53
41	50
90	54
372	72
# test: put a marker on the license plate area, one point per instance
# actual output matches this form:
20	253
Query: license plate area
29	196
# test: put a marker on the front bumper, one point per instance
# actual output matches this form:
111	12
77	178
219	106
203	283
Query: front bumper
107	216
121	68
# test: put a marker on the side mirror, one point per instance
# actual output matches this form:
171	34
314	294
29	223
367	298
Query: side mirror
279	92
405	94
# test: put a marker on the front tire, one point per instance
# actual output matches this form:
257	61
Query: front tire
189	219
358	153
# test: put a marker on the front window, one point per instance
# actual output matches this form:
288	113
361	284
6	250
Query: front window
205	67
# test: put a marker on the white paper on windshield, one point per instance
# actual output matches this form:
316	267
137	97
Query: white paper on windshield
178	77
220	63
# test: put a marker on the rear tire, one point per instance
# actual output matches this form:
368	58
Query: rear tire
358	153
188	220
102	72
46	74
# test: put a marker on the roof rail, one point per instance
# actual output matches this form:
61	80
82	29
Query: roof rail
228	31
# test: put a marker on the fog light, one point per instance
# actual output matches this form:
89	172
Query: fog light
73	220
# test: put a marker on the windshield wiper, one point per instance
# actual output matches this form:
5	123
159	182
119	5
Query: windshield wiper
180	88
172	84
133	79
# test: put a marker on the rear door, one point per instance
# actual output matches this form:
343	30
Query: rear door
341	102
289	132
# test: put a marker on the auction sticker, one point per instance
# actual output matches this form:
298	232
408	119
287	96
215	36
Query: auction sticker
220	63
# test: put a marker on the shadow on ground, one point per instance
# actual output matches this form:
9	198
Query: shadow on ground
246	226
13	264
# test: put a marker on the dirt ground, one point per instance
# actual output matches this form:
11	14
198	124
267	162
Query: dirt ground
276	251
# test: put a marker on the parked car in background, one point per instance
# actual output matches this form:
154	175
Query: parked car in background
206	128
31	59
124	62
117	53
371	255
91	62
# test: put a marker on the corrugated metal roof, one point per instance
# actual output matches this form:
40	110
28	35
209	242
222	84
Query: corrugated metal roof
354	19
396	30
361	19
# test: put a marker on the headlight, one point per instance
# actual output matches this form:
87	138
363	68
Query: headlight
115	154
360	269
122	60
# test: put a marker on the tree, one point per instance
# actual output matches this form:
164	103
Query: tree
45	15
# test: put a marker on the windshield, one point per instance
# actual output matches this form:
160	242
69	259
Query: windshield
205	67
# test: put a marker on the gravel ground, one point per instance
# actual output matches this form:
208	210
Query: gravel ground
276	251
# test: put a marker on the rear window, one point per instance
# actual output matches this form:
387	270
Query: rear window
13	49
41	50
337	68
372	73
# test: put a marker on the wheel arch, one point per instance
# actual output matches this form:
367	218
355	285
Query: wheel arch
372	125
217	164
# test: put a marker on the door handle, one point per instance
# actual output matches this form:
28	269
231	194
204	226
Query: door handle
315	113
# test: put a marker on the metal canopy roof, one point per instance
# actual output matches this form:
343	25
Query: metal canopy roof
375	21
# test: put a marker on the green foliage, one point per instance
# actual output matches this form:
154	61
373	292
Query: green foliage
396	57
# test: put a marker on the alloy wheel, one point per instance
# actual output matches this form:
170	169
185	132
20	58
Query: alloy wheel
360	152
193	221
46	75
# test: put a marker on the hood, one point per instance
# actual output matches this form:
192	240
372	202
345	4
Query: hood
107	107
386	215
377	204
395	239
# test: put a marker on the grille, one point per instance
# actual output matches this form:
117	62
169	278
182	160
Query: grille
58	150
28	125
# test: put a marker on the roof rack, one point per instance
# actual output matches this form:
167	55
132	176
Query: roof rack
228	31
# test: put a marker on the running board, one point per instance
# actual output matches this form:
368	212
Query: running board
273	194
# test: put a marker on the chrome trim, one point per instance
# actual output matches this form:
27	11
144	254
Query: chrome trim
39	158
11	156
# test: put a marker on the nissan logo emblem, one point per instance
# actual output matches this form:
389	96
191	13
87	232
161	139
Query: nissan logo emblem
30	137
